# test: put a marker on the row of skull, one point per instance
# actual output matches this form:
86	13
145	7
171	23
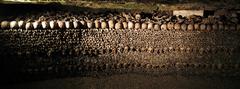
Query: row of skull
111	24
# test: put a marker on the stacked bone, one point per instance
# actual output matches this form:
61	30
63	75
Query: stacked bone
157	21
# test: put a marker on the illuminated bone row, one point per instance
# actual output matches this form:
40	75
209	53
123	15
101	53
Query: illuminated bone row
94	65
111	24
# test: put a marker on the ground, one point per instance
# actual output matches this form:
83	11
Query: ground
132	81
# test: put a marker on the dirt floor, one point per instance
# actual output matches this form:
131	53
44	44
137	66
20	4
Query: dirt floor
132	81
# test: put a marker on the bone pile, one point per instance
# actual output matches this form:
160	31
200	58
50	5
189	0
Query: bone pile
123	20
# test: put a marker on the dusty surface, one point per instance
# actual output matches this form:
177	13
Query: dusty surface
132	81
